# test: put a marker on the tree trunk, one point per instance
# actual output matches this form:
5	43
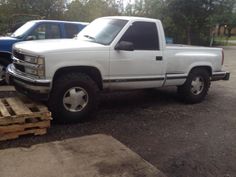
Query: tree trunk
218	32
189	42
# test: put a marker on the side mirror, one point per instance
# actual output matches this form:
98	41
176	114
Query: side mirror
124	45
30	38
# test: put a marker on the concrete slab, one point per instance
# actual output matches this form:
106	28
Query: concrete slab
89	156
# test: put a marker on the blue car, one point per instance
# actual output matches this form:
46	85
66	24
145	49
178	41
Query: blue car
36	30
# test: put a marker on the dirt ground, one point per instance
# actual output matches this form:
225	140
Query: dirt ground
181	140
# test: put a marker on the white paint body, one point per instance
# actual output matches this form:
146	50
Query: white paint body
125	65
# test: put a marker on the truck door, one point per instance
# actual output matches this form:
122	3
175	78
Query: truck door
141	67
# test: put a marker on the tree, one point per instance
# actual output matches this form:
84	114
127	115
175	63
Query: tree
13	10
89	10
191	17
225	16
49	9
76	11
194	19
188	21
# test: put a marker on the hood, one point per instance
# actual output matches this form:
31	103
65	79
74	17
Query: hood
7	39
6	43
57	45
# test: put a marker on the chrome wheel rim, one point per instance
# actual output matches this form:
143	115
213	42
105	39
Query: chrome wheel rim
197	85
75	99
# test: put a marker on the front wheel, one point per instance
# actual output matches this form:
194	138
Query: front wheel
195	89
74	98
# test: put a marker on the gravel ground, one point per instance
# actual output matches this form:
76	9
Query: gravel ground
181	140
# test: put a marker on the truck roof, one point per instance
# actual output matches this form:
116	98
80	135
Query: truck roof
132	18
60	21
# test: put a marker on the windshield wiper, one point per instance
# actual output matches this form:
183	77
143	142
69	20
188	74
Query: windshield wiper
90	37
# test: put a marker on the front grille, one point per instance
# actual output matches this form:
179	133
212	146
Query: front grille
18	55
19	67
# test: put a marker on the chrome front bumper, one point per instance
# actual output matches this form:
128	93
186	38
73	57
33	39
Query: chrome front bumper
26	85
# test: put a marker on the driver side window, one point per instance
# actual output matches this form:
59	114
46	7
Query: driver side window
45	31
143	35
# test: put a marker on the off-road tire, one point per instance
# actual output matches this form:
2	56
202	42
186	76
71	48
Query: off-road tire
185	92
61	86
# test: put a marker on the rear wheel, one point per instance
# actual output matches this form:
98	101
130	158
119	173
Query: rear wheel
74	98
196	86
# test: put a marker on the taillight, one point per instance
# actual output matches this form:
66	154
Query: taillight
223	57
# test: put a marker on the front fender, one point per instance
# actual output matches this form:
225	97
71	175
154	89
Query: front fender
99	60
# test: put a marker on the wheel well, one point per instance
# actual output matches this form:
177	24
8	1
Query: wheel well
92	72
7	58
207	68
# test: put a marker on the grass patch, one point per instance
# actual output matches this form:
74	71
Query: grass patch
232	38
224	41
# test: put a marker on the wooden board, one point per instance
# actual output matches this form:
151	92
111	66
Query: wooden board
23	127
14	135
21	116
16	110
18	106
4	110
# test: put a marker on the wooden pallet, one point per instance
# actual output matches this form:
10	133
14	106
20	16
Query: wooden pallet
21	116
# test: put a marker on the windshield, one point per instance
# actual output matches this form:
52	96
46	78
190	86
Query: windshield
21	31
102	31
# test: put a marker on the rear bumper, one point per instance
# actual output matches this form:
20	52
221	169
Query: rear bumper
222	75
33	88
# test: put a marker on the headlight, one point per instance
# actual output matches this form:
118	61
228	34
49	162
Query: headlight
34	59
35	66
30	59
41	60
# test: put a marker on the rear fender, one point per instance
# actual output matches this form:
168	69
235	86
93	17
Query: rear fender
207	65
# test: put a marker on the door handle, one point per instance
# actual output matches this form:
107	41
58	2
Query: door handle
158	58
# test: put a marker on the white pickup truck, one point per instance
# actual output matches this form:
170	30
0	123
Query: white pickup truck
112	53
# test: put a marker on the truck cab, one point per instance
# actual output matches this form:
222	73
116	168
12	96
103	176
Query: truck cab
36	30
